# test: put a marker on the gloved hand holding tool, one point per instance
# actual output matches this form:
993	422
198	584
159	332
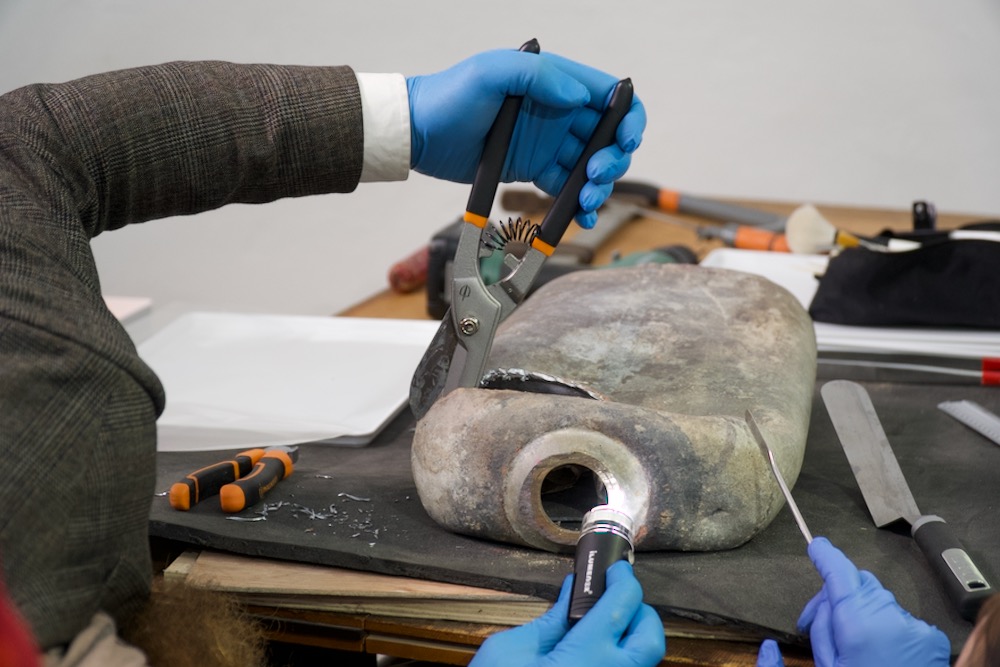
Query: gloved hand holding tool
562	104
458	353
854	622
618	630
889	498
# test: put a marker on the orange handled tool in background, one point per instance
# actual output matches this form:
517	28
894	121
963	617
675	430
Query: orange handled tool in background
741	226
209	480
275	465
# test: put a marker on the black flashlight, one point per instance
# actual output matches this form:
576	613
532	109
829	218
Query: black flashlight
605	539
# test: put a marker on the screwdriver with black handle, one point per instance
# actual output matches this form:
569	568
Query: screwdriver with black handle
208	481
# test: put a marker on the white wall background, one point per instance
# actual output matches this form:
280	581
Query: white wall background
846	101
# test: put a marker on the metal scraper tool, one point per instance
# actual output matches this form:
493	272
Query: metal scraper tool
769	455
889	499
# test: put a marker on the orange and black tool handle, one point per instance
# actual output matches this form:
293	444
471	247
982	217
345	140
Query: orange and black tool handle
208	481
274	466
673	201
742	226
567	202
490	168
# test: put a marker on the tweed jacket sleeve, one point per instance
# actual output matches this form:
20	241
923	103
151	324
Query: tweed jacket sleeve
77	404
98	153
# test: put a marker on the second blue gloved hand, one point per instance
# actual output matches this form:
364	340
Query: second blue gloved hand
619	630
854	622
769	655
452	111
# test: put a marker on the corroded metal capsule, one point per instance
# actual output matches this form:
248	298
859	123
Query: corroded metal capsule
676	355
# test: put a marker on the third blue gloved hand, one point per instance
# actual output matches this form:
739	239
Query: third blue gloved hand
769	655
618	630
452	111
854	622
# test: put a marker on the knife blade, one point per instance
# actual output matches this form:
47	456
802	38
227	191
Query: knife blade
889	498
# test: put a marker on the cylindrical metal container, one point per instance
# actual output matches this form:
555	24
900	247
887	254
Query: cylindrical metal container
675	355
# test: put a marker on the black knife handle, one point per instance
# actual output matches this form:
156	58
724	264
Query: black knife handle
966	585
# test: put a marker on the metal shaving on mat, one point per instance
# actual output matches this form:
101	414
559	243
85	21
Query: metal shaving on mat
361	525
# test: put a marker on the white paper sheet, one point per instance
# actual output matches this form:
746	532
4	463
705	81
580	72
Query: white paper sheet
797	274
235	380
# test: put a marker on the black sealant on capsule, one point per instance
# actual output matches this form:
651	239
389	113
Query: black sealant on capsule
605	539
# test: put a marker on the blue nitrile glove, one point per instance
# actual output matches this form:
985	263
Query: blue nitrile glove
769	655
854	622
452	111
618	630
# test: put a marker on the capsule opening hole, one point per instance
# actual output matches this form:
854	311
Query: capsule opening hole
570	491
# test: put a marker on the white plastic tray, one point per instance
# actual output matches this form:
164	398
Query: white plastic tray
235	380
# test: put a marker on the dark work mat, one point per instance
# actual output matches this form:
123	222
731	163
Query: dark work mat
358	508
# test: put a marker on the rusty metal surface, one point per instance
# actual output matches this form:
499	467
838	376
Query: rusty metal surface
680	353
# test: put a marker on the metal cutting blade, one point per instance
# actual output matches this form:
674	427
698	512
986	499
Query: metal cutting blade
867	448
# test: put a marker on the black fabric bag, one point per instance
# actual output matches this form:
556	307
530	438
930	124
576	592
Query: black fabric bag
950	283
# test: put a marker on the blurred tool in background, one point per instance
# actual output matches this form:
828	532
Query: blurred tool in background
702	207
409	274
732	224
741	226
808	232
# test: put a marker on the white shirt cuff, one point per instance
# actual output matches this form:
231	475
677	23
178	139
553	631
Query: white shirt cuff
385	111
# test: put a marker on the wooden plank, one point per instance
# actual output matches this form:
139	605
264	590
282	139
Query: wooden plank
343	633
451	642
415	649
326	593
701	653
244	574
449	632
179	569
286	585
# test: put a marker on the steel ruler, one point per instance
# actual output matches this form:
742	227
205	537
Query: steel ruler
975	417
